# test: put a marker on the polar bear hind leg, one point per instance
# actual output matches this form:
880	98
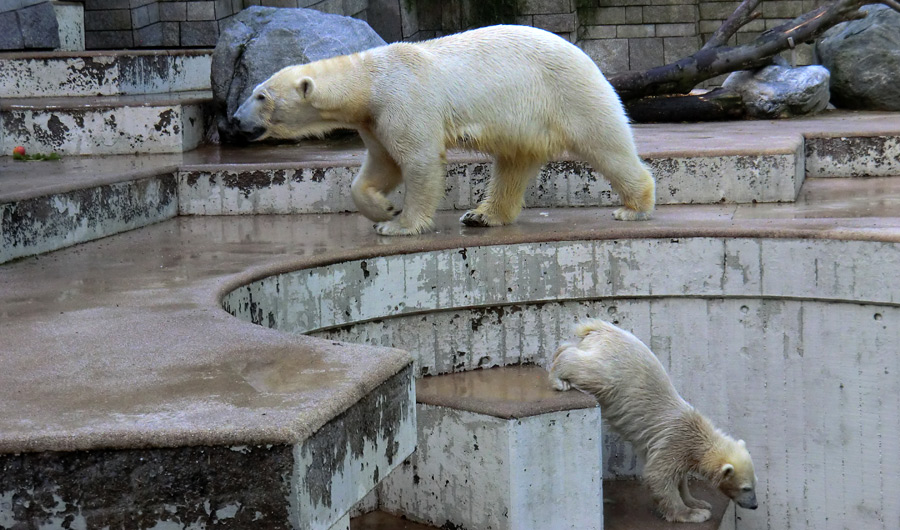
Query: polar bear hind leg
505	192
628	177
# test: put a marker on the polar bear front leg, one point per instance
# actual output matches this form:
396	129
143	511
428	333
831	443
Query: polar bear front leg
378	176
505	192
665	489
558	376
424	190
689	500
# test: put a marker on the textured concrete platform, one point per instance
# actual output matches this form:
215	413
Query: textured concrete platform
121	344
142	328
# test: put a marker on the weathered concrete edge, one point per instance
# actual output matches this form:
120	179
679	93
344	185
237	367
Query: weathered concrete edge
401	246
310	484
51	222
351	454
853	156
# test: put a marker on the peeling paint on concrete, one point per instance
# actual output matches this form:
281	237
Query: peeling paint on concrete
177	488
103	130
479	472
863	156
51	222
707	180
104	75
349	456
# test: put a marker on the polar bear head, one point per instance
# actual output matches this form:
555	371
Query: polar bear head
735	476
279	107
305	100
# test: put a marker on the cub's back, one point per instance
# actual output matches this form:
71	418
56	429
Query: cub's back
616	365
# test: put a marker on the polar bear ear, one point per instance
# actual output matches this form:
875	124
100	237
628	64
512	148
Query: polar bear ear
305	87
726	471
742	443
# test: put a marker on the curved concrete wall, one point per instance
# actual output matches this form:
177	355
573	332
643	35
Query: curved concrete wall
789	344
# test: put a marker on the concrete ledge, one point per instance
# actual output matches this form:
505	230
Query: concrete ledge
106	73
104	125
853	156
508	393
50	222
535	465
308	485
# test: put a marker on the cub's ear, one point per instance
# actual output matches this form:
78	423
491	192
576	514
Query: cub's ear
726	471
305	87
742	443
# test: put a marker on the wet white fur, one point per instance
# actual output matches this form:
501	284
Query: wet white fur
638	400
518	93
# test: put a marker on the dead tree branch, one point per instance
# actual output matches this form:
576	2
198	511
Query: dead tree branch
683	75
741	16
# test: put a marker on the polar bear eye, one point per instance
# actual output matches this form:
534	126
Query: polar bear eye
261	97
746	488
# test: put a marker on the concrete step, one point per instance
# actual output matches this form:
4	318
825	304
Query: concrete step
103	73
627	506
499	448
50	205
733	162
104	125
46	206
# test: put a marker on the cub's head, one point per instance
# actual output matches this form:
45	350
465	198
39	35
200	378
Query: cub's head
282	106
735	476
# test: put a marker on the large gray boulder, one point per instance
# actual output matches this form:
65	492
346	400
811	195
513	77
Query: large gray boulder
262	40
778	91
864	59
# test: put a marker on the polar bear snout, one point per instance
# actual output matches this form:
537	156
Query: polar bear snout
249	119
247	126
747	499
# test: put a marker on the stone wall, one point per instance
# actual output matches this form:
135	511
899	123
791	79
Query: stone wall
28	24
180	23
619	35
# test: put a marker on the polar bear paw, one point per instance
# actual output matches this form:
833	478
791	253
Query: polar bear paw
476	218
689	516
397	227
627	214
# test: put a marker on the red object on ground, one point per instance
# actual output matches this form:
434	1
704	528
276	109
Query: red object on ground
19	150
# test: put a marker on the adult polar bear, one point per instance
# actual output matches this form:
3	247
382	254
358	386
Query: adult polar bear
518	93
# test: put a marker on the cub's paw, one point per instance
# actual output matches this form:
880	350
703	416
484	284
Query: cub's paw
476	218
627	214
560	384
689	516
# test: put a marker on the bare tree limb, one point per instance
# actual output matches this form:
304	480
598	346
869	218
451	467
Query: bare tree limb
741	16
684	74
718	104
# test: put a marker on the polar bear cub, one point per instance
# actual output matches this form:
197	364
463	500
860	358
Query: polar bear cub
520	94
638	400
